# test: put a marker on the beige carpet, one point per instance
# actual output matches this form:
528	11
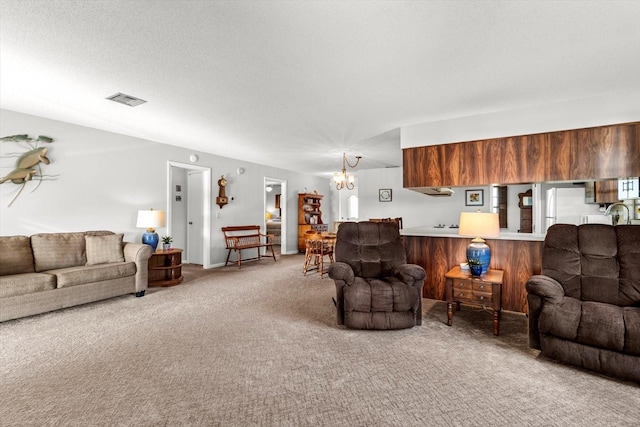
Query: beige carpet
259	346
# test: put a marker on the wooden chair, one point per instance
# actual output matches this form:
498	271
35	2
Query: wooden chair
317	247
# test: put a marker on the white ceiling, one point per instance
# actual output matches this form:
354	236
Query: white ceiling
293	84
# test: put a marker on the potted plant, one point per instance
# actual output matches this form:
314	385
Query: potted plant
166	242
475	266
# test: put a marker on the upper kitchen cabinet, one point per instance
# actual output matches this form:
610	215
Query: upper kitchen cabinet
593	153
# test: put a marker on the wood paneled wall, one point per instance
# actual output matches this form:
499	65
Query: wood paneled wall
519	259
591	153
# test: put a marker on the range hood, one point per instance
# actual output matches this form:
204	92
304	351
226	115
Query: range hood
433	191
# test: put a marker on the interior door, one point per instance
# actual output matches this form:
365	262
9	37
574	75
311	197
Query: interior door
195	209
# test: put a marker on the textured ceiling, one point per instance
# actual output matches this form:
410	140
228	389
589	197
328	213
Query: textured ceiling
294	84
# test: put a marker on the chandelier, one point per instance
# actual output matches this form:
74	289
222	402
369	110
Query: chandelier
343	180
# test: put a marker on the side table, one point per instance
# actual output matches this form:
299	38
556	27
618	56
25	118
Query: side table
484	291
165	268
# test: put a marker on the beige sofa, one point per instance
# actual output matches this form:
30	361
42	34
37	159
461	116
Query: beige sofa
51	271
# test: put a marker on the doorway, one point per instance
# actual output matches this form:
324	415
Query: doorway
275	208
189	211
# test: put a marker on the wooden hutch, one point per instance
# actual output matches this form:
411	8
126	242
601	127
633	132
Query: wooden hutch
309	216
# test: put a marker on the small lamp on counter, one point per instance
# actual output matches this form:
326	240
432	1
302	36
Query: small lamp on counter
480	225
150	219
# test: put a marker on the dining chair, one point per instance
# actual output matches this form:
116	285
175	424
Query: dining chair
317	247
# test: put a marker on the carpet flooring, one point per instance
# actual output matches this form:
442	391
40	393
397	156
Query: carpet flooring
259	346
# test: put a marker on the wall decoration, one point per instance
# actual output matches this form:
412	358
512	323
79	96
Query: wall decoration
178	188
29	163
474	198
222	200
384	195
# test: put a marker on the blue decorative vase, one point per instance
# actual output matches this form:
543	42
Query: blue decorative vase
151	238
480	251
476	270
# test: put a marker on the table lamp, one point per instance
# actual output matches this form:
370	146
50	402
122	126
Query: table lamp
150	219
479	224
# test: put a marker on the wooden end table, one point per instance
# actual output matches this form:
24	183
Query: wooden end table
165	268
484	291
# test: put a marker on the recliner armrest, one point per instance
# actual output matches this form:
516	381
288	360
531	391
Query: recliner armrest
545	287
409	273
342	271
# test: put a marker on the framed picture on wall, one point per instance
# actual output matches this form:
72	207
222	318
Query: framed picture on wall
384	195
474	198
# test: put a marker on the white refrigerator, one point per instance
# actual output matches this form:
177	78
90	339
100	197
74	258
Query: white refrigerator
565	206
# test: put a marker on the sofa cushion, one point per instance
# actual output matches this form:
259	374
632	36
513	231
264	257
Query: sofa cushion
72	276
561	257
104	249
372	249
602	325
58	250
599	248
15	255
562	319
380	295
27	283
632	330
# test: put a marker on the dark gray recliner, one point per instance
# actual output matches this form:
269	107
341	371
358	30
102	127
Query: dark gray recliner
584	309
375	287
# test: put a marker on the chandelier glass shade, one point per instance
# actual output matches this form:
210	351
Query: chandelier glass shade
342	179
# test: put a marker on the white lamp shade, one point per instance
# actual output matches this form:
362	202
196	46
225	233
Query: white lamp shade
479	224
150	219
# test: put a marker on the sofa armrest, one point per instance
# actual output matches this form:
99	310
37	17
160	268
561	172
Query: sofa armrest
540	290
343	275
411	274
139	254
342	271
546	288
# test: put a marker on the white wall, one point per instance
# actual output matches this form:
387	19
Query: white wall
416	209
105	178
600	110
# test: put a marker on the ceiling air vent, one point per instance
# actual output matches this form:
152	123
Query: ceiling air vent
129	100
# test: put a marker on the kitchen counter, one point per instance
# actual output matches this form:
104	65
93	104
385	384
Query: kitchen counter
430	231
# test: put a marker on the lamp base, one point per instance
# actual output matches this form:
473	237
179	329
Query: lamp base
481	252
151	238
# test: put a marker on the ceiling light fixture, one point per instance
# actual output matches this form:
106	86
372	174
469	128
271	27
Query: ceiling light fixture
125	99
343	180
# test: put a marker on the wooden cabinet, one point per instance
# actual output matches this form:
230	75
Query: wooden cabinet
309	216
593	153
600	192
526	214
165	268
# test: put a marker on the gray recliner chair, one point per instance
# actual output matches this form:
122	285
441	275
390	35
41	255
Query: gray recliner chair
375	287
584	307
